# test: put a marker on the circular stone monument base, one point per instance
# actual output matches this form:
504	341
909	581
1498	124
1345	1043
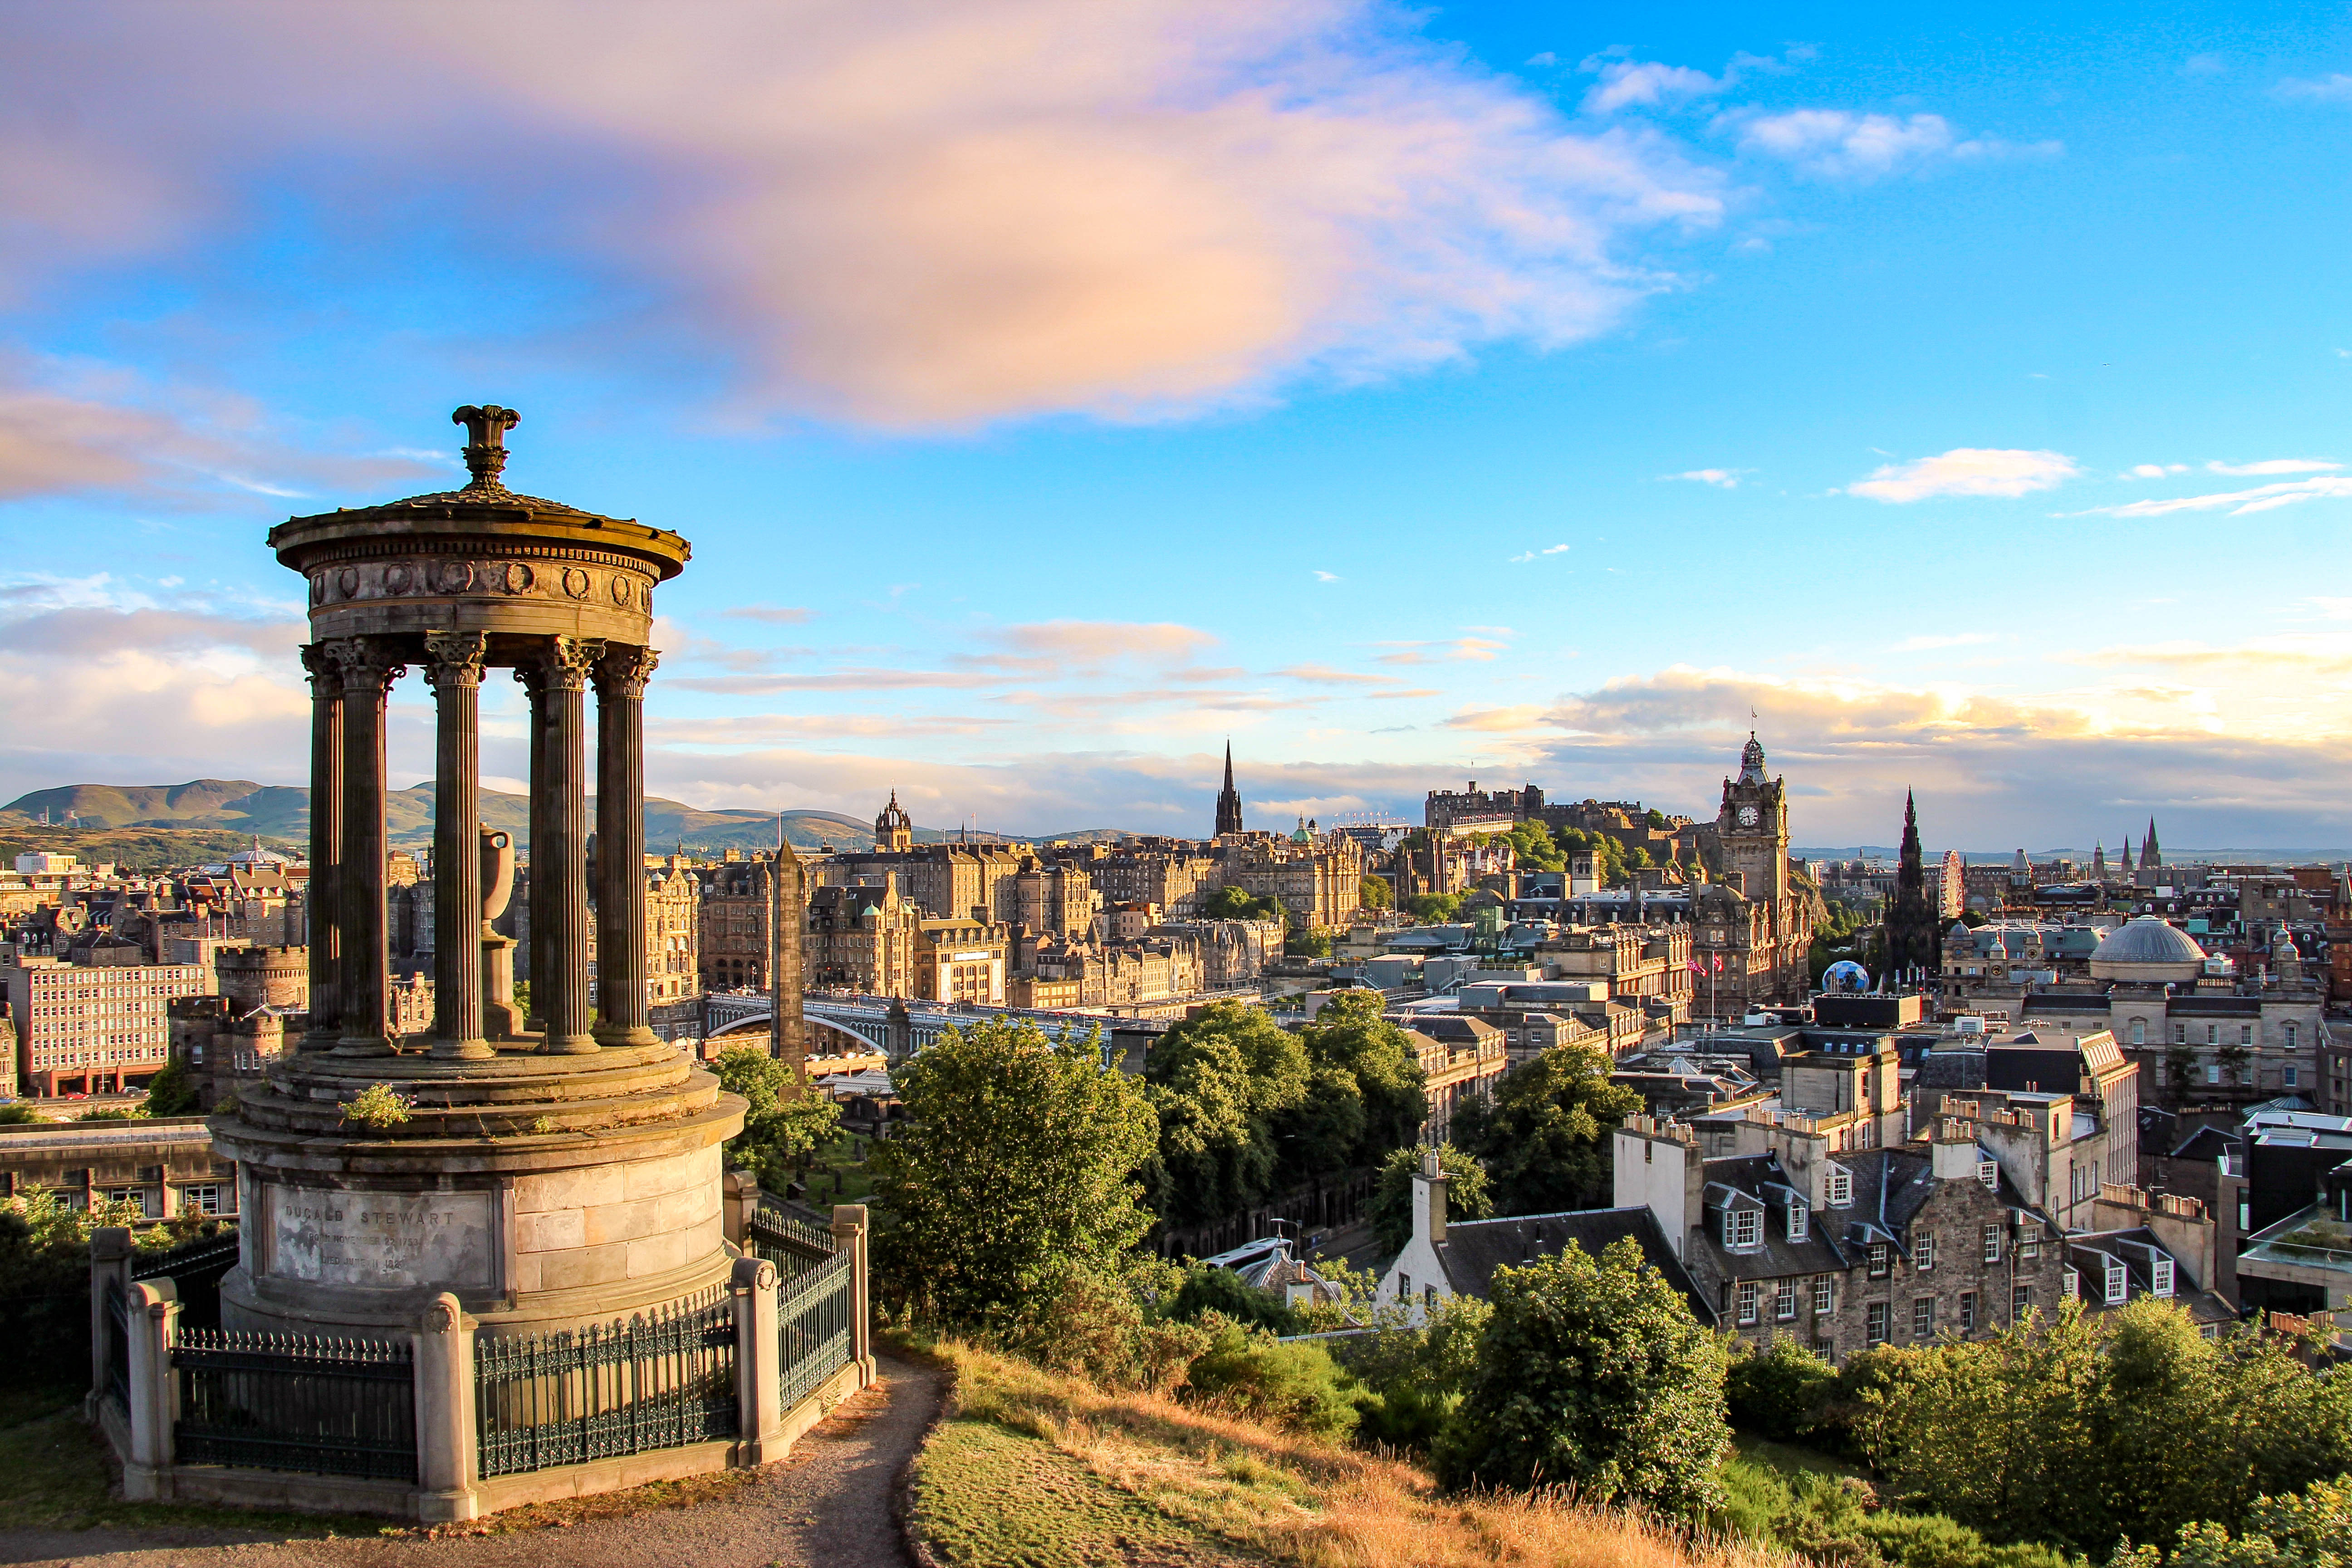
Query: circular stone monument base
545	1190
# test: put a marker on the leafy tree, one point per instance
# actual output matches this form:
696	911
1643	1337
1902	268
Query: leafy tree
1434	909
171	1093
1592	1373
1018	1154
1348	1038
1532	842
2084	1429
1779	1392
1466	1194
1208	1289
1376	893
1232	902
785	1122
2310	1531
1656	820
1304	944
1324	1132
1974	918
1218	1081
1544	1133
2179	1063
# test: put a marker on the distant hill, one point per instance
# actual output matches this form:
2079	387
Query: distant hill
131	848
282	812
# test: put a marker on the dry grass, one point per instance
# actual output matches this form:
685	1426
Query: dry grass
1297	1499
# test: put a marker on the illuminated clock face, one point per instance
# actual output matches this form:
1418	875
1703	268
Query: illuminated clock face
1747	816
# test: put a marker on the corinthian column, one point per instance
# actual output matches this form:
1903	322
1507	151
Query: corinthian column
621	676
557	676
369	665
453	666
324	916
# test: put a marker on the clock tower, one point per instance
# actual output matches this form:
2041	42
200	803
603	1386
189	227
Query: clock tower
1752	827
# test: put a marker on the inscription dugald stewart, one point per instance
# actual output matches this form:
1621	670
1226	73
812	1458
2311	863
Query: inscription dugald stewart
386	1240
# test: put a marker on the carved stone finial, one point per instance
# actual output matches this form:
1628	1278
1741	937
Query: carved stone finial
486	442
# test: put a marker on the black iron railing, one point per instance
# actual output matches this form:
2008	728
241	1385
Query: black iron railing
194	1271
813	1323
118	1344
661	1380
292	1402
792	1237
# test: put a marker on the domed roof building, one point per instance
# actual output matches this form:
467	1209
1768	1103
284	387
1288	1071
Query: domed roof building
2148	952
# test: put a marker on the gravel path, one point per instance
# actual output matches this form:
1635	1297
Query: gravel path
829	1505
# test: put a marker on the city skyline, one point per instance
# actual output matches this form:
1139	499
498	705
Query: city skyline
1473	395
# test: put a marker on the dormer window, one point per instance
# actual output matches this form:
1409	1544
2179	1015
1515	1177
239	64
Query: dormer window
2118	1283
1880	1256
2074	1285
1988	1173
1800	1220
1841	1187
2160	1276
1743	1228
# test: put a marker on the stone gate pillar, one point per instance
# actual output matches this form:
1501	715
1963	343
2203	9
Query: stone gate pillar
369	665
621	676
453	666
325	935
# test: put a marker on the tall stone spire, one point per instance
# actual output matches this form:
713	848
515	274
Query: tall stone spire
2150	856
1914	938
1229	799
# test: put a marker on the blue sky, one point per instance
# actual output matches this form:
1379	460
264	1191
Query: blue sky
1052	390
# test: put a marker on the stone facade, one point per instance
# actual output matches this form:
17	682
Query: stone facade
862	939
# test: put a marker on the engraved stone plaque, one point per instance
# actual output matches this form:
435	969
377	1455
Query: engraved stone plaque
390	1241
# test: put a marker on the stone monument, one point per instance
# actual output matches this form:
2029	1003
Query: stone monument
548	1171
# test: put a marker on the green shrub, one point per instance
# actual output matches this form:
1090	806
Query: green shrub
1103	1322
1208	1289
1835	1521
2313	1529
1249	1372
1414	1378
1778	1392
1591	1373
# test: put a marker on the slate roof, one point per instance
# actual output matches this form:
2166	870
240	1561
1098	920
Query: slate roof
1474	1249
2137	1249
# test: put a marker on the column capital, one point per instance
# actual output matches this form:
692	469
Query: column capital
560	664
624	670
455	658
366	662
326	676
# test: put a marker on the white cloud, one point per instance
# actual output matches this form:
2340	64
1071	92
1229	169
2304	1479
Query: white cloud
1321	576
2275	466
883	211
1968	471
2238	503
1838	142
2156	471
2333	89
1723	478
1625	83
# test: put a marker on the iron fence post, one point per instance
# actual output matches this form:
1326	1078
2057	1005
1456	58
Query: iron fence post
757	1386
110	1265
154	1312
849	1235
446	1464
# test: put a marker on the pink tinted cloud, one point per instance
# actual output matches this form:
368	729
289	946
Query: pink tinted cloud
900	214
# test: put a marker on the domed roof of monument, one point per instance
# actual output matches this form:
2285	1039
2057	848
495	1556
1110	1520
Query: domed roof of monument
2149	940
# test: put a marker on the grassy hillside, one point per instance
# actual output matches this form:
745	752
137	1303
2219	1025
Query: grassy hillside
1033	1468
133	849
282	812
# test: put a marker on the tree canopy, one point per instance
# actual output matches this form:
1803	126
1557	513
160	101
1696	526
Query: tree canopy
1018	1157
1232	902
1349	1044
2081	1429
1592	1373
784	1121
1544	1131
1376	893
1467	1193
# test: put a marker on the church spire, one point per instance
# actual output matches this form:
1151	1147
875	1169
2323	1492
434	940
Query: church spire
1229	799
